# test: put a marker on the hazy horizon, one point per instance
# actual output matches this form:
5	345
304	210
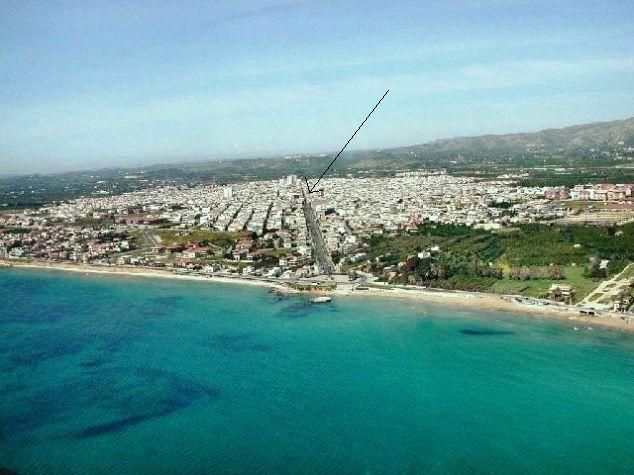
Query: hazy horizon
129	84
176	161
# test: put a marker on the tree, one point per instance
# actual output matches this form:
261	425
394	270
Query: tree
534	273
515	273
522	273
475	267
593	269
556	273
491	271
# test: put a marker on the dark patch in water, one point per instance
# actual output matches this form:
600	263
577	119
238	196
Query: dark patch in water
181	394
158	306
12	388
35	357
92	363
50	313
113	426
6	471
52	403
171	300
479	332
132	395
297	310
113	346
153	310
49	342
259	347
277	295
226	339
306	308
238	343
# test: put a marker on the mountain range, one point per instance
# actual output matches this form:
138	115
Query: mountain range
598	135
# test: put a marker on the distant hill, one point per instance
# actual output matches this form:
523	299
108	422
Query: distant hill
589	145
597	135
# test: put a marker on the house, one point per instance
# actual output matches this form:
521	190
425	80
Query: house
257	254
561	293
211	268
248	270
558	193
194	252
288	260
184	263
622	301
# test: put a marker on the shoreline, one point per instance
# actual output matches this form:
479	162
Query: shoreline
144	272
498	303
474	300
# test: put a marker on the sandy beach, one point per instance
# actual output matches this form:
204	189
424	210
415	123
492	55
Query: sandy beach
482	301
498	303
144	272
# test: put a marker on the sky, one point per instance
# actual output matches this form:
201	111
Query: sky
93	84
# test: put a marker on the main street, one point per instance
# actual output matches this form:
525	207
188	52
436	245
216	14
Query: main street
324	261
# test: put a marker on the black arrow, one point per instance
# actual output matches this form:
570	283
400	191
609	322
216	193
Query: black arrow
312	190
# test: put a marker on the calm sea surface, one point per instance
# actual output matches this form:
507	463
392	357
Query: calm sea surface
130	375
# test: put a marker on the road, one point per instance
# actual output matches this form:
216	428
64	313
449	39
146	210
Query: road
324	261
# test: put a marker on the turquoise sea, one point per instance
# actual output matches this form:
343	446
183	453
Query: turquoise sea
107	374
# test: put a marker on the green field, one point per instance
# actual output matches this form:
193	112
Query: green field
526	245
539	287
471	259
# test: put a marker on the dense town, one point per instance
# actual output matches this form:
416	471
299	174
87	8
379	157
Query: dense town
260	228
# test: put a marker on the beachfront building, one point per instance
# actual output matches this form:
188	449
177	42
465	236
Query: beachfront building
561	293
